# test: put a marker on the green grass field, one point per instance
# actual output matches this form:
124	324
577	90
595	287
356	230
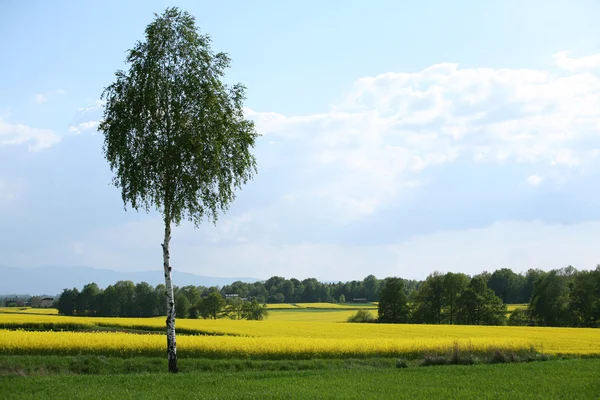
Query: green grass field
561	379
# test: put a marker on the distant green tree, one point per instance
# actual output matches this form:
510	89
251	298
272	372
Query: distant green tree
233	308
124	291
371	285
453	287
531	276
311	291
277	298
549	304
86	300
342	298
393	302
253	310
479	305
67	302
212	306
192	293
428	300
145	303
287	289
106	303
485	275
508	286
182	306
584	302
274	284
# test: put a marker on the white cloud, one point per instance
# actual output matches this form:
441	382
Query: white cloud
534	179
368	156
35	138
10	189
40	98
87	118
44	97
98	104
512	244
83	126
369	149
562	60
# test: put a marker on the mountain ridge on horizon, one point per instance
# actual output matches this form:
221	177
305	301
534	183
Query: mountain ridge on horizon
53	279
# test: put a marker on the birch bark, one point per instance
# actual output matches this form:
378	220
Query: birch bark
171	341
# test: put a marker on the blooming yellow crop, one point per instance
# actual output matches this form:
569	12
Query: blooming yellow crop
336	305
512	307
294	347
341	306
28	310
281	338
336	315
280	306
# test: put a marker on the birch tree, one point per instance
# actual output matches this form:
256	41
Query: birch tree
175	135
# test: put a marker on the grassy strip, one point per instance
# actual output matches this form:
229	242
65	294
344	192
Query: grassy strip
101	365
562	379
26	365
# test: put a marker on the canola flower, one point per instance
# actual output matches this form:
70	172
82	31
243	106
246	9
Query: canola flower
513	307
282	306
294	347
337	315
336	305
329	306
28	310
303	337
58	322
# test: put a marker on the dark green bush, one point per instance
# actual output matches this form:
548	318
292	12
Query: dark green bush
362	316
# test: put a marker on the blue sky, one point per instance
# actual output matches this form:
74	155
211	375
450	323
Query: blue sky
399	138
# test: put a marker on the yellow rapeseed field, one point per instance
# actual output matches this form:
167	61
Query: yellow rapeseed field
512	307
279	306
320	306
282	347
29	310
336	315
335	305
44	321
280	338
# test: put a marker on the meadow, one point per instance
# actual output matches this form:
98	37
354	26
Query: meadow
563	379
259	352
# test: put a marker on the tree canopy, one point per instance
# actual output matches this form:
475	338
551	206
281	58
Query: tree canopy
175	135
393	302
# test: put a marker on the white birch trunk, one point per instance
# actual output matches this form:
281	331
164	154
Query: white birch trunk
171	342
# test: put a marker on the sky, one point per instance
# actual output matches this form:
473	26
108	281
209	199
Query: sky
397	138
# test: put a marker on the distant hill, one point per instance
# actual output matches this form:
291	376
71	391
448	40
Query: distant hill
53	279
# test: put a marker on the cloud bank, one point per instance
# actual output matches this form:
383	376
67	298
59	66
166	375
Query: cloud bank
447	168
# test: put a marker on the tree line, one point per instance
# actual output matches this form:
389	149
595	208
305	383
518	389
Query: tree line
560	297
126	299
452	298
